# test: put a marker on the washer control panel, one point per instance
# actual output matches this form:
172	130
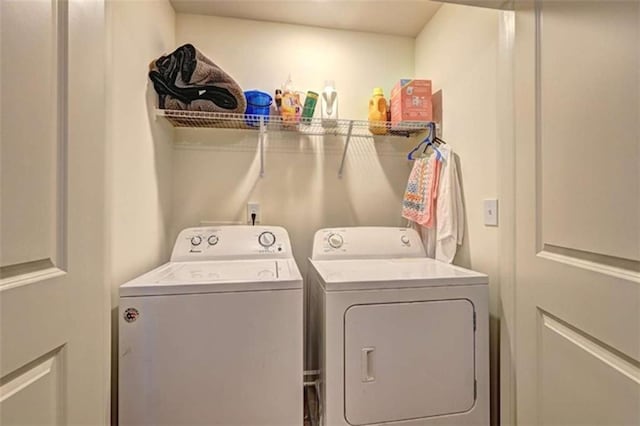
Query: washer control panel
366	242
231	242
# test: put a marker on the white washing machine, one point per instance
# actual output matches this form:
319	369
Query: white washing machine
214	337
398	338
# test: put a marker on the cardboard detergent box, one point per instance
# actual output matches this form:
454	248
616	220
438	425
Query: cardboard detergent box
411	102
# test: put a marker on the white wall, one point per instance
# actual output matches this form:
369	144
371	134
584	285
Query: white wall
458	50
140	148
301	190
140	145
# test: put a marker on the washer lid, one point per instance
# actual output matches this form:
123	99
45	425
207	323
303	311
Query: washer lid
215	276
339	275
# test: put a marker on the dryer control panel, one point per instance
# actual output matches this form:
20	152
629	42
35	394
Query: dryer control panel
232	242
366	242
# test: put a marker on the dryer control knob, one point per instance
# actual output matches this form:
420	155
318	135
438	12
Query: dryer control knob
213	240
267	239
195	241
335	240
405	239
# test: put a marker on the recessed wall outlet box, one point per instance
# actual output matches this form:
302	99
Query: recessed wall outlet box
491	212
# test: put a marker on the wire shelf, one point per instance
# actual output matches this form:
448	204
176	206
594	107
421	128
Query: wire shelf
311	127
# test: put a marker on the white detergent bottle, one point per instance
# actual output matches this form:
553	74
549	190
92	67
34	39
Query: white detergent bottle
329	104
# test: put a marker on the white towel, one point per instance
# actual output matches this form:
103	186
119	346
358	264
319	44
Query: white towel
428	236
450	210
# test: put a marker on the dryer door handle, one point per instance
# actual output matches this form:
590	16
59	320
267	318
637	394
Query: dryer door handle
366	365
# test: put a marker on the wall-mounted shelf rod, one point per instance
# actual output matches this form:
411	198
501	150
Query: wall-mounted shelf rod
346	147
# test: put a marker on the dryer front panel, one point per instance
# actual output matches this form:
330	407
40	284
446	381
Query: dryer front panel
408	360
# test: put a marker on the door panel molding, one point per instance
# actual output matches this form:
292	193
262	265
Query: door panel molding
38	271
31	271
608	265
28	374
561	250
538	120
61	10
589	344
43	380
36	132
583	380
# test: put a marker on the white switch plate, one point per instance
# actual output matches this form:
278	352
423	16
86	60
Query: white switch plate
253	207
491	212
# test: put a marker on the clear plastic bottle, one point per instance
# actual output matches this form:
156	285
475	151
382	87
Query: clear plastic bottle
329	104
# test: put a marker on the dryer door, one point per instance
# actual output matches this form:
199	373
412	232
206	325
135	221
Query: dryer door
408	360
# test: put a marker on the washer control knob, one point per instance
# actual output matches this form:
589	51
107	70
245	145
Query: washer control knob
195	241
267	239
335	240
405	239
213	240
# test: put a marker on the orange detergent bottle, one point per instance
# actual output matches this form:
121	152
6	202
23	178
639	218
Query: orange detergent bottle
378	113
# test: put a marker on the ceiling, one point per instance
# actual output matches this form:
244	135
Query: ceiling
397	17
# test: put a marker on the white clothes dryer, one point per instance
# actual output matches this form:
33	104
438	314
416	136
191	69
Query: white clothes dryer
398	338
214	336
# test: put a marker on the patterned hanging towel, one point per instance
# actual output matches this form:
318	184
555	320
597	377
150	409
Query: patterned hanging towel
429	221
415	197
419	204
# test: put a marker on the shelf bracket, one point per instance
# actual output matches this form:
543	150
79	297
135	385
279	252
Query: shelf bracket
346	147
263	131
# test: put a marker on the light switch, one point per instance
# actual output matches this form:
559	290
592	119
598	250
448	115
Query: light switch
491	212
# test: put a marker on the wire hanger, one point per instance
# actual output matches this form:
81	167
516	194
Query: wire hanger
436	139
439	141
431	140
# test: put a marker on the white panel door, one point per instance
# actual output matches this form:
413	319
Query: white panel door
53	298
577	212
408	360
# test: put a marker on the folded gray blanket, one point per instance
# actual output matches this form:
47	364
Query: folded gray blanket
188	80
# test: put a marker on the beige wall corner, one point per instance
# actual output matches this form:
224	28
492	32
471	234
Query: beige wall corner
458	51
